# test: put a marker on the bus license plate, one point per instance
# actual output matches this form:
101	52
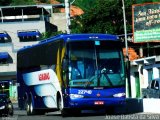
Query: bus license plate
99	102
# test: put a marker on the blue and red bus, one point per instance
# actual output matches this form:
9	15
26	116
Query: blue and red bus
71	72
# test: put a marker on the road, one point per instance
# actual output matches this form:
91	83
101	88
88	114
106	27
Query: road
21	115
86	115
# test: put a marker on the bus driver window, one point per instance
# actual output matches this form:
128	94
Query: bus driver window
74	70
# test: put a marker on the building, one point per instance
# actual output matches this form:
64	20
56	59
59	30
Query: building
23	26
144	64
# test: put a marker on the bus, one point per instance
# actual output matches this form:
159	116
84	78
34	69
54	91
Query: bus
71	73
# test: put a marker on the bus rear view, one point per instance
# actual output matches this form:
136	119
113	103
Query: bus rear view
71	73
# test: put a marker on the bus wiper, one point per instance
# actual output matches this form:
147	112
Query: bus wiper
104	72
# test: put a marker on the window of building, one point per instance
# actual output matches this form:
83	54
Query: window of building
4	57
28	36
4	37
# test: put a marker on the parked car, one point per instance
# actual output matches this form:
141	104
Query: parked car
6	106
153	89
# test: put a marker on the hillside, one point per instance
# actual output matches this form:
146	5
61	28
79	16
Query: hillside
74	10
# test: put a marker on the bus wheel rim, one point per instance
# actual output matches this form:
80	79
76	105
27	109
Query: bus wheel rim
27	108
31	108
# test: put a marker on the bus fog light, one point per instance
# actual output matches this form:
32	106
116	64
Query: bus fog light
2	107
119	95
73	96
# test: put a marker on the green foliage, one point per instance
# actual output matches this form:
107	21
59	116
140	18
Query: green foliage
61	1
23	2
5	2
50	34
106	16
85	4
145	1
44	1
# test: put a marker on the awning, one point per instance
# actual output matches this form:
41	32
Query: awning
2	35
28	33
4	55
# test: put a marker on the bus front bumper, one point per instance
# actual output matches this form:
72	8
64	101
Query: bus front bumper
96	103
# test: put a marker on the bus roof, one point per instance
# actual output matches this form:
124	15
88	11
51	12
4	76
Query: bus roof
76	37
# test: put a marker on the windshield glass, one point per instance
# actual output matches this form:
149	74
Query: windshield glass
95	63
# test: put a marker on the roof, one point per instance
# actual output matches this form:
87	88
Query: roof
27	10
77	37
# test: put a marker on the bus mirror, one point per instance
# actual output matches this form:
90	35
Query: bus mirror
65	64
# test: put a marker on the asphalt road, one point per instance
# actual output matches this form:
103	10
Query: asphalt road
21	115
85	115
89	115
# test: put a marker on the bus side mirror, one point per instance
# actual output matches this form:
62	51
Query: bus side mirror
65	64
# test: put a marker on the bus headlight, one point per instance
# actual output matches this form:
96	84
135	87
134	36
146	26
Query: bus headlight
119	95
74	96
2	107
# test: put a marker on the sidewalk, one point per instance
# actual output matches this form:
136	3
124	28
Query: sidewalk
146	105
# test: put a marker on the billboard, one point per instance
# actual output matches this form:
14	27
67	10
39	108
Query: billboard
146	22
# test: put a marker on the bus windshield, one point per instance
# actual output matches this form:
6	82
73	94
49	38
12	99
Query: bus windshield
95	64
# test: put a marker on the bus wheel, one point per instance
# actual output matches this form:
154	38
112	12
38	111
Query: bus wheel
64	112
59	104
27	107
31	108
76	112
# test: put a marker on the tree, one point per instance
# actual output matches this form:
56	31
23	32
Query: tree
5	2
49	34
84	4
23	2
106	16
143	1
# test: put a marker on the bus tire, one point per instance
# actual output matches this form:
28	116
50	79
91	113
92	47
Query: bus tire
59	103
76	112
29	108
64	113
40	112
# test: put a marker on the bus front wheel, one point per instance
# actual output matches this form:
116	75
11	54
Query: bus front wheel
29	107
59	104
64	112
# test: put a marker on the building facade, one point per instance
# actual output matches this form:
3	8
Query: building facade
23	26
143	70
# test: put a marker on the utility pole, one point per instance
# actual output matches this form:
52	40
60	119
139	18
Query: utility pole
67	11
125	30
127	56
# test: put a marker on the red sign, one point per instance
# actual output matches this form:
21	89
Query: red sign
99	102
44	76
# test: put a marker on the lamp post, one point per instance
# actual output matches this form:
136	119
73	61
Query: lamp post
67	10
127	56
125	30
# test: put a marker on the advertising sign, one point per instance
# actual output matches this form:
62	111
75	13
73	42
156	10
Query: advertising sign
146	22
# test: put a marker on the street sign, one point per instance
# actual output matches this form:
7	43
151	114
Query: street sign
146	22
